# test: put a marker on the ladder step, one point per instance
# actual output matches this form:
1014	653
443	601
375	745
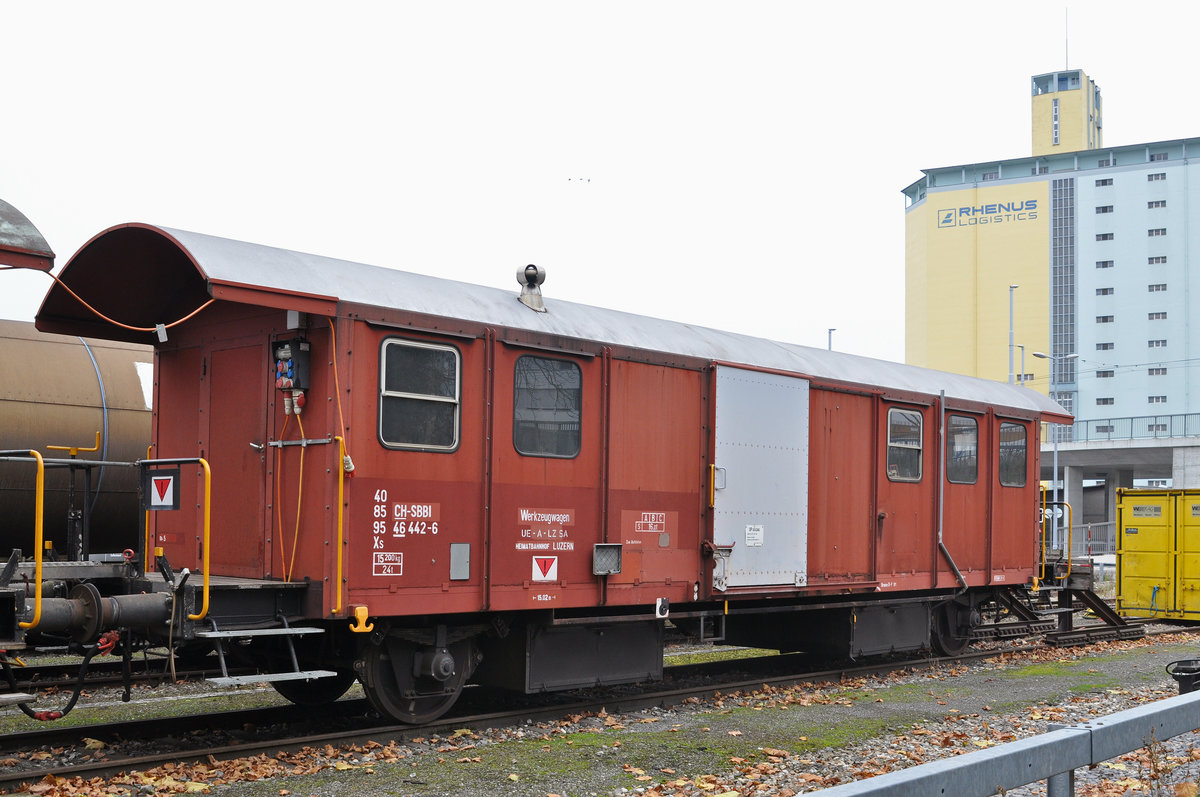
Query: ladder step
13	698
242	680
249	632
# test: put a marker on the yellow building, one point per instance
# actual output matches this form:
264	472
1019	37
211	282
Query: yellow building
973	231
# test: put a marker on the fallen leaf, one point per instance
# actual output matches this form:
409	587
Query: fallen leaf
513	777
734	733
93	744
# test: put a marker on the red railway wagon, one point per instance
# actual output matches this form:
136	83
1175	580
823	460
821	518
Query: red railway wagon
457	484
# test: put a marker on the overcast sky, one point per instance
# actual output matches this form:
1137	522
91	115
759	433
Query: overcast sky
737	165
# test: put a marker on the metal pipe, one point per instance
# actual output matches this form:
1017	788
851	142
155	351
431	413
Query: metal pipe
38	534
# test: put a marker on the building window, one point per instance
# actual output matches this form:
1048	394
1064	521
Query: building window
1104	208
962	449
991	176
1158	156
1157	260
1157	316
1104	264
1104	427
1104	319
1157	482
547	404
1103	164
1024	377
419	395
1155	232
1154	177
1104	236
1157	344
1158	372
1156	203
1156	399
1156	287
1054	121
1104	181
1041	170
1104	402
904	445
1104	291
1104	374
1157	427
1104	347
1012	455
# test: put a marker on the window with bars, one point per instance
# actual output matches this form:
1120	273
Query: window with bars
1104	208
1062	283
1106	401
1157	344
1156	287
1104	319
1104	181
1105	374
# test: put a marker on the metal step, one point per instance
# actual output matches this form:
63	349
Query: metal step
13	698
242	680
249	632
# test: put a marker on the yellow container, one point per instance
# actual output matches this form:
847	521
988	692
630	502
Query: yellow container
1158	553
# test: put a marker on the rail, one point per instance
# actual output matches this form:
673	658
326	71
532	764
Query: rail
1052	756
207	521
1138	427
38	532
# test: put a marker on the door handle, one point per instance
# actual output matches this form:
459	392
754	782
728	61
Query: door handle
879	522
258	446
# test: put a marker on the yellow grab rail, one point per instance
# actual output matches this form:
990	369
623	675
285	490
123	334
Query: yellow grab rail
37	540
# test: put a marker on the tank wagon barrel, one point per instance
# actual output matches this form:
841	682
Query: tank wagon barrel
421	483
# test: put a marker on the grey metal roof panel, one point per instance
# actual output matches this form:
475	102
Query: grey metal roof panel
256	265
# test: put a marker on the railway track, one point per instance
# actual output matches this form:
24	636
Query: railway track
289	729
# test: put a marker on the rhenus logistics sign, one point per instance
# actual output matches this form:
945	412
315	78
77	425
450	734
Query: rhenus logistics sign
994	213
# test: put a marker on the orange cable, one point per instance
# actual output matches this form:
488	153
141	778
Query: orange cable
337	387
114	322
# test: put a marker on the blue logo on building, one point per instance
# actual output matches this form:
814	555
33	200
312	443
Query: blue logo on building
993	213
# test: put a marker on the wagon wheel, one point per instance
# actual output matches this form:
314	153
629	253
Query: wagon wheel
951	629
318	691
389	679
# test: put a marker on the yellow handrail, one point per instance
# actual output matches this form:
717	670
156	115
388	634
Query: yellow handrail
207	547
37	541
1070	537
337	587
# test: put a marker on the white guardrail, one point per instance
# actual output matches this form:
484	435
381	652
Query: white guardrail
1052	756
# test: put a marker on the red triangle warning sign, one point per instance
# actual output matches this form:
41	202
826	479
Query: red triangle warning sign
162	486
545	568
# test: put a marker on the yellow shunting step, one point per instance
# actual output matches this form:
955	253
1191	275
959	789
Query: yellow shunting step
1158	554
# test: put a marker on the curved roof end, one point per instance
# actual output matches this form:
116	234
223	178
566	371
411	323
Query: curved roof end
21	245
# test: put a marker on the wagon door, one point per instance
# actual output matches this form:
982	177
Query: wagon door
237	423
905	532
760	479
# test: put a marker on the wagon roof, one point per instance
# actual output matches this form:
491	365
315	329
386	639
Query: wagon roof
144	275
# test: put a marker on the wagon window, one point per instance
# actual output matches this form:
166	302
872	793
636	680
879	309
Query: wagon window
547	398
904	445
419	392
1012	455
962	449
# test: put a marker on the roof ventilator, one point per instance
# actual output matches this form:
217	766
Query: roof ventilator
531	277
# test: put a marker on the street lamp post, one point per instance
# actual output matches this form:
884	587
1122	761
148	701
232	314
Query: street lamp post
1055	359
1011	288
